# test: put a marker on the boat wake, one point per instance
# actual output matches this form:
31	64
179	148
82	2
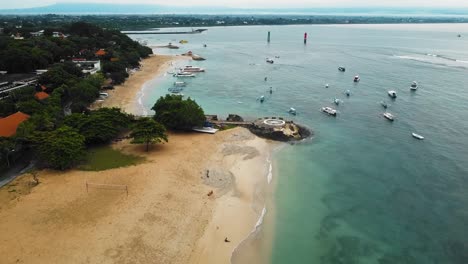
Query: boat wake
435	59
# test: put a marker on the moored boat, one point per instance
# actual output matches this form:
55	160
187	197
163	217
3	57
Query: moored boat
342	69
328	110
208	130
261	99
384	104
417	136
292	111
184	74
270	61
356	78
180	84
389	116
392	94
414	86
192	69
348	93
336	101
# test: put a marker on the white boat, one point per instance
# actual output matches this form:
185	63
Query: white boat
389	116
193	69
417	136
384	104
356	78
328	110
261	99
184	74
208	130
270	61
414	86
348	93
342	69
336	101
326	85
392	94
292	111
180	84
175	89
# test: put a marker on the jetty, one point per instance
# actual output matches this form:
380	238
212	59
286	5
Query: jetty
196	31
274	128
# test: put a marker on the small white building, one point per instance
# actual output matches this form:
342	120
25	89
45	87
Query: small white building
38	33
88	67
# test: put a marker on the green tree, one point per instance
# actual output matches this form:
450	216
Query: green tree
7	147
147	131
176	113
61	148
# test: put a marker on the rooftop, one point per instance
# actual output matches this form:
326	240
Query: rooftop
9	124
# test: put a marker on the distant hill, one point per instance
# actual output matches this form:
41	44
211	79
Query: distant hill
99	8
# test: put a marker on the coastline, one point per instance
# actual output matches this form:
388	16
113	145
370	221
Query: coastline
167	216
125	96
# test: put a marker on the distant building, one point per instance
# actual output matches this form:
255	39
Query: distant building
41	96
100	52
1	30
17	36
9	124
38	33
58	35
88	67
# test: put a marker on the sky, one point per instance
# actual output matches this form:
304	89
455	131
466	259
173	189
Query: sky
7	4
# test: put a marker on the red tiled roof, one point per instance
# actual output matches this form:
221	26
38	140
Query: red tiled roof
100	52
9	124
41	95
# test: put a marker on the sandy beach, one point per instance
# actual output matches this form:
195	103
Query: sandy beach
183	201
125	95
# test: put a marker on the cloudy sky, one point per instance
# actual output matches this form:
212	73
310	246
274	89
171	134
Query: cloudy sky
255	3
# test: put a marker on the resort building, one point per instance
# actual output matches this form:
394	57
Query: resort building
41	96
88	67
38	33
9	124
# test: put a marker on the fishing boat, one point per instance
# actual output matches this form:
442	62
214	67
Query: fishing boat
180	84
348	93
328	110
356	78
270	61
192	69
184	74
414	86
389	116
208	130
384	104
292	111
392	94
417	136
342	69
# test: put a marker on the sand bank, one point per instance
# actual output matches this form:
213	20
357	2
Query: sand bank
166	218
125	95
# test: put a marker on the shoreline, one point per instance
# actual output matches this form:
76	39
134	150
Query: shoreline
168	215
125	95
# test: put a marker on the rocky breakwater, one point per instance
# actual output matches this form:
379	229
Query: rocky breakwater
276	128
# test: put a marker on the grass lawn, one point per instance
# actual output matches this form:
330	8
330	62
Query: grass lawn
105	157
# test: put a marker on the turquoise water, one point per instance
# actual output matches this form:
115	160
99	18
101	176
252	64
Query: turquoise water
362	190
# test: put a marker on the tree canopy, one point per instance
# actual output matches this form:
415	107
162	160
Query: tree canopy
147	131
176	113
60	148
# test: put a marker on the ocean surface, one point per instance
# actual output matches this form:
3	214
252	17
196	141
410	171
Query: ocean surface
362	190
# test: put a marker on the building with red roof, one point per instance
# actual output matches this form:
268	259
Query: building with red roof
9	124
100	52
41	95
